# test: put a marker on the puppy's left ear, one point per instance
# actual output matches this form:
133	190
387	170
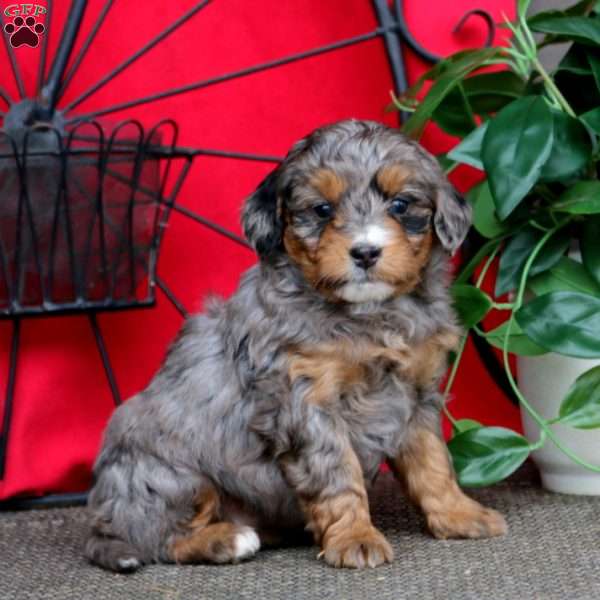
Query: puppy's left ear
452	218
261	217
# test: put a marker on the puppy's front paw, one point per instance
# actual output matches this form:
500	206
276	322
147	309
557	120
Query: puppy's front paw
471	520
357	548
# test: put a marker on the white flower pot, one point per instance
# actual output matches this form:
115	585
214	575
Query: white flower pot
544	381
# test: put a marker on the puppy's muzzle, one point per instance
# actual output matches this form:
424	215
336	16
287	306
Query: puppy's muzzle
365	256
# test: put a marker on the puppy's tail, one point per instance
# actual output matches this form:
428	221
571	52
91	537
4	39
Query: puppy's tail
112	553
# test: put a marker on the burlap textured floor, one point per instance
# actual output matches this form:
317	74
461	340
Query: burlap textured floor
551	552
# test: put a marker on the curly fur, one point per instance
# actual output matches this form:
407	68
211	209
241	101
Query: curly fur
239	435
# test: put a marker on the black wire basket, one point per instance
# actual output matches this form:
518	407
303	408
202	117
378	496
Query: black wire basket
82	215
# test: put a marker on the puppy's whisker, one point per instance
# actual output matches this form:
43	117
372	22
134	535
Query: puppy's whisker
330	282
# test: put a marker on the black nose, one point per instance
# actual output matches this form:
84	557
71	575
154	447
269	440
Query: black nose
365	256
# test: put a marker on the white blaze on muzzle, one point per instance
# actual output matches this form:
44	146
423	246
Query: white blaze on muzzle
373	235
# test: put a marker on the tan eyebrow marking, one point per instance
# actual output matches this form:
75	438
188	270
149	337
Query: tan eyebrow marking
391	178
329	184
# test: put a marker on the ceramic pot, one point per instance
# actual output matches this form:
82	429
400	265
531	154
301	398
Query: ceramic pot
544	381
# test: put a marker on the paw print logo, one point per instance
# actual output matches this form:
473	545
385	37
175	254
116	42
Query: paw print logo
24	32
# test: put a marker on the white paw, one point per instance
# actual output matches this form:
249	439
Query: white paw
246	543
128	564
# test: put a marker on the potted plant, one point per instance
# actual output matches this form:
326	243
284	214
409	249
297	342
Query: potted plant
535	134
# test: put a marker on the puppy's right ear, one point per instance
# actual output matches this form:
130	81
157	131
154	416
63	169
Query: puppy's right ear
261	218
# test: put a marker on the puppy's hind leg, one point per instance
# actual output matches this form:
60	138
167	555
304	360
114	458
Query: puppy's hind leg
216	543
211	540
112	553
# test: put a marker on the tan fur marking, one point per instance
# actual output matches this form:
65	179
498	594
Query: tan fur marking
328	265
392	178
425	469
341	524
214	543
330	375
209	538
207	506
296	249
427	361
337	366
324	266
404	258
329	184
333	255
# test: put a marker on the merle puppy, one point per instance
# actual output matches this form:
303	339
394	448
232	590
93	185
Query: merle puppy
273	410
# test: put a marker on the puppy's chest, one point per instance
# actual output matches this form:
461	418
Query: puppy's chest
367	365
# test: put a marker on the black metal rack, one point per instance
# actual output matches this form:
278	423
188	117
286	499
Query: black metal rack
106	269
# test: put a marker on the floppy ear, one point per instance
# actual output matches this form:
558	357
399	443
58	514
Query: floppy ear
452	218
261	217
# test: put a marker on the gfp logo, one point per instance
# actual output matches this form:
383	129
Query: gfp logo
24	29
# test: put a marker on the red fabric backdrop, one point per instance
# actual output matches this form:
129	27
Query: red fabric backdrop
62	399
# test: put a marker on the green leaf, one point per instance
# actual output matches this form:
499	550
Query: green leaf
592	119
581	199
522	8
571	148
489	92
590	247
463	425
513	258
471	304
563	322
518	342
566	275
517	143
582	29
454	114
445	163
487	455
581	406
485	220
551	252
580	8
469	150
451	72
517	251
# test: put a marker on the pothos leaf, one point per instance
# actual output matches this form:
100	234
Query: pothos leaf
581	406
486	455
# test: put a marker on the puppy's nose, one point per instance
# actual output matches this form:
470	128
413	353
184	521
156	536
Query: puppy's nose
365	256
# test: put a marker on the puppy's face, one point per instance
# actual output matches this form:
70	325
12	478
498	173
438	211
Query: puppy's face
357	207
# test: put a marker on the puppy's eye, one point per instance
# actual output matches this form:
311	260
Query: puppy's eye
324	210
399	205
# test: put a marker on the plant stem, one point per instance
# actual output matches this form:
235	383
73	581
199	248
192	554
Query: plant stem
537	445
503	305
455	365
449	416
538	226
488	264
551	86
451	168
475	261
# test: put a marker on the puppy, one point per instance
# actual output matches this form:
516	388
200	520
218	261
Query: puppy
274	410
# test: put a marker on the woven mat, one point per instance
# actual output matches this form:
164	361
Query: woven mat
551	552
